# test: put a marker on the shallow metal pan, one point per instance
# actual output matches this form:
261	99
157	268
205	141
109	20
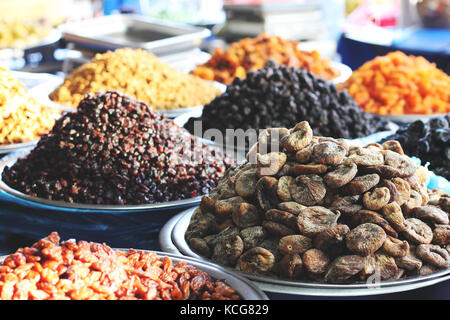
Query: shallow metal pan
134	31
174	239
245	288
91	207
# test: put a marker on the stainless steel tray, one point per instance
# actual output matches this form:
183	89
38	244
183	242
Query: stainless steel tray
172	205
42	92
9	148
245	288
172	238
134	31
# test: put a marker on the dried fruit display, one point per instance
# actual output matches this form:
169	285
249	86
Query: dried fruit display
116	150
430	142
282	97
252	53
22	118
367	213
400	84
71	270
139	74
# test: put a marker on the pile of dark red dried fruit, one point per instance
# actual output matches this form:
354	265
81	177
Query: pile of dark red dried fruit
320	209
279	96
430	142
116	150
70	270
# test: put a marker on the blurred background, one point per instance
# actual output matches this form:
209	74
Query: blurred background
348	31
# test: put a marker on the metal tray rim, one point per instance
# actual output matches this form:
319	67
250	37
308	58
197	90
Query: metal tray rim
61	204
179	226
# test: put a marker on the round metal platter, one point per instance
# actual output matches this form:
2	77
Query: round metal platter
406	118
171	205
344	72
8	148
175	240
243	286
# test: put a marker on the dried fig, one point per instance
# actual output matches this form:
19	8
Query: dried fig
342	175
246	215
224	208
329	153
252	236
310	168
291	207
427	269
308	190
313	220
367	216
441	235
332	238
294	244
283	188
395	247
376	199
403	189
394	146
315	261
434	255
199	245
269	164
393	213
383	171
304	155
227	250
345	201
418	231
365	156
385	266
343	268
290	266
245	183
283	217
257	261
403	163
409	262
415	200
361	184
266	193
444	203
431	214
299	138
277	229
365	239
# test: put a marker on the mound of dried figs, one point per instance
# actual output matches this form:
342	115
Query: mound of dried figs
320	209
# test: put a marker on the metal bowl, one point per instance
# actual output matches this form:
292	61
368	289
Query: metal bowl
172	238
246	289
53	204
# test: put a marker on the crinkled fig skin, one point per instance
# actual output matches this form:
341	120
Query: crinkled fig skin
294	244
313	220
257	261
434	255
365	239
343	268
291	266
308	190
